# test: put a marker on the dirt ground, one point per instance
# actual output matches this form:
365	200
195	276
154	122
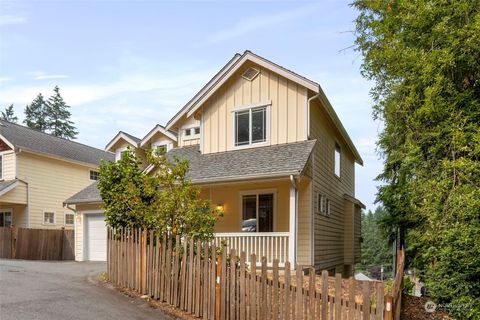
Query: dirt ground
413	308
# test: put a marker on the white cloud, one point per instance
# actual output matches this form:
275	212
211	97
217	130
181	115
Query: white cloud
8	19
259	22
5	79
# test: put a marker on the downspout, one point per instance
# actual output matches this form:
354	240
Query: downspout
309	102
74	229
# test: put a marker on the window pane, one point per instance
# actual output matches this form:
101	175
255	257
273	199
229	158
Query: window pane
197	130
8	219
242	128
1	167
69	218
249	214
187	132
265	213
48	217
337	160
259	125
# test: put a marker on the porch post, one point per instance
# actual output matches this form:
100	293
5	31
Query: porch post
292	238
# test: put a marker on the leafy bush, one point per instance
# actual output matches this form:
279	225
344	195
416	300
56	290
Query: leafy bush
165	201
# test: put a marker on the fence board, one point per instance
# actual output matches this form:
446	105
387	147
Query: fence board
188	275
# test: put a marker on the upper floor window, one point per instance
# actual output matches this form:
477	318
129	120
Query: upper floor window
191	132
337	160
250	126
93	175
1	167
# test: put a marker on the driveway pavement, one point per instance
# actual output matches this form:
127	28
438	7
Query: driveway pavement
63	291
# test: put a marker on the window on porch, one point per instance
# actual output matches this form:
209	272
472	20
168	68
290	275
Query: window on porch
5	218
257	212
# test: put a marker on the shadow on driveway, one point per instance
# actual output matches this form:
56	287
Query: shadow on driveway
63	290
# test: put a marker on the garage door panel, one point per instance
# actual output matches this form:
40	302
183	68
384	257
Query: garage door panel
96	237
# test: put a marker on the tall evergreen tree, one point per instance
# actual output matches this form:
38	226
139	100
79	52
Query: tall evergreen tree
58	120
424	58
376	250
36	114
9	114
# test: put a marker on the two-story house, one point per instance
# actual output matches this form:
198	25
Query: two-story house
37	172
265	145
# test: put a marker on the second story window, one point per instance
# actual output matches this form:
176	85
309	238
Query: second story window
1	167
192	132
337	160
250	126
93	175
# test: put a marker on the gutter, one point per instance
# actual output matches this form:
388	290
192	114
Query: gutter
246	178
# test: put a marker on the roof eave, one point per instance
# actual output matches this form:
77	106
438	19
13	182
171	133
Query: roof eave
118	136
157	128
246	178
48	155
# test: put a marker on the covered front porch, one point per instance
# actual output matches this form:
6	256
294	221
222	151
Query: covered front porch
13	204
268	218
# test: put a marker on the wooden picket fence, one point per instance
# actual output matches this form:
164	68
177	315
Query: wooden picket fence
204	280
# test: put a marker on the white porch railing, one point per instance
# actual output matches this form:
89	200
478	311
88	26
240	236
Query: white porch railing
272	245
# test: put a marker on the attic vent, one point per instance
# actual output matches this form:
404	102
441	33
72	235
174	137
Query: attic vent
250	74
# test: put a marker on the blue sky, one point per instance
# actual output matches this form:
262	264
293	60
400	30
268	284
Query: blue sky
127	65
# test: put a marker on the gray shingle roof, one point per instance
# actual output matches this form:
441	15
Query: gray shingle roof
88	195
276	160
273	161
5	184
137	140
33	140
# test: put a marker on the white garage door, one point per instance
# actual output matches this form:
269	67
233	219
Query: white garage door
96	236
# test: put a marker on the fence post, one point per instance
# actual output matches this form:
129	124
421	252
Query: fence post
388	307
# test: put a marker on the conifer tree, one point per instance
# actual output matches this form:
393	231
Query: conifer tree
58	119
36	114
9	115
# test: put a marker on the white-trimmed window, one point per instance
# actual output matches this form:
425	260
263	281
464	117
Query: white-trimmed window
250	126
337	160
48	217
191	133
69	219
1	167
5	218
258	211
328	207
320	204
93	175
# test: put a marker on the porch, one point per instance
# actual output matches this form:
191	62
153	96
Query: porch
13	203
270	218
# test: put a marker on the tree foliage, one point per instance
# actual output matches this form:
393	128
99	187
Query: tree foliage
51	116
165	201
36	114
9	114
58	118
376	250
424	59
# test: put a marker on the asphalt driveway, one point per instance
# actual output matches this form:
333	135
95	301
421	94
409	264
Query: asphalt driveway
63	290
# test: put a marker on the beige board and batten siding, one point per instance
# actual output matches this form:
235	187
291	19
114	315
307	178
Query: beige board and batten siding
329	230
8	165
50	181
287	122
